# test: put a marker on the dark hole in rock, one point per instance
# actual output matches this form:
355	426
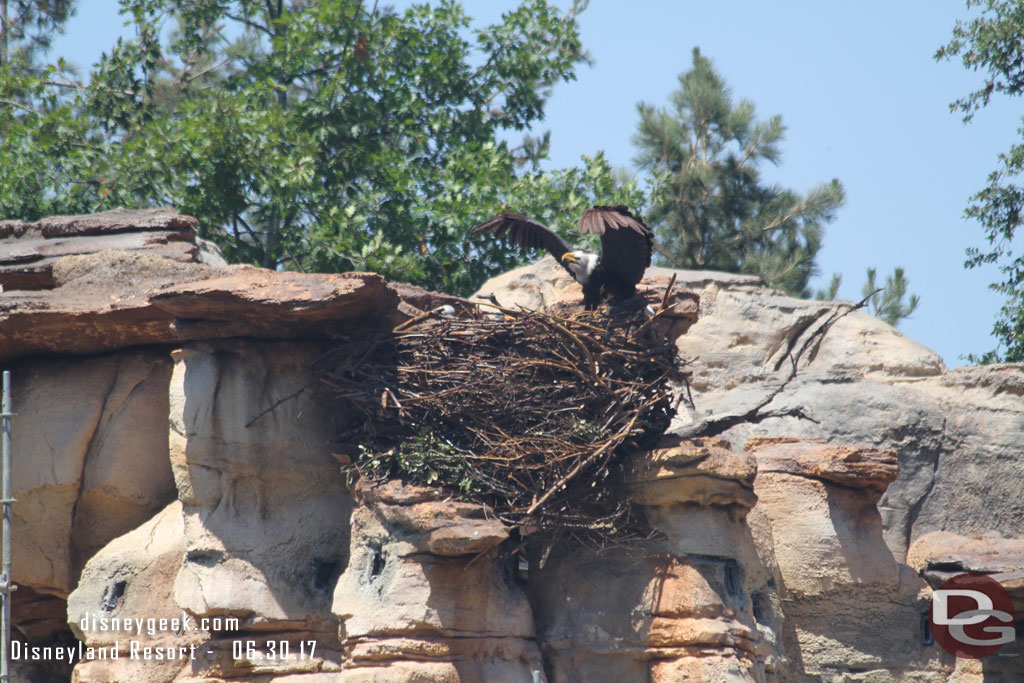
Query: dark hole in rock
733	585
324	571
760	606
377	563
926	631
113	596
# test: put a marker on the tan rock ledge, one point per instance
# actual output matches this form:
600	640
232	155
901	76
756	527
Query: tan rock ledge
701	471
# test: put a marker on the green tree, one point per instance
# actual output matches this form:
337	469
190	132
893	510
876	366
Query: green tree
709	206
40	134
993	43
323	134
890	302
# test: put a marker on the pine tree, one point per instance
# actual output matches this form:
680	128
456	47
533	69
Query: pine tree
710	207
27	27
890	302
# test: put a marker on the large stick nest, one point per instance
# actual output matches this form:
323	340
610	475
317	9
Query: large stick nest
531	413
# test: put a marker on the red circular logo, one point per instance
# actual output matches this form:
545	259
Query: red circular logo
972	616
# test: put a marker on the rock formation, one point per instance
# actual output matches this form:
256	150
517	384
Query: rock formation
424	598
173	461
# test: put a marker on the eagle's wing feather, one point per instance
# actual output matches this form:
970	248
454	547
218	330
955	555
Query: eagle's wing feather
525	233
626	242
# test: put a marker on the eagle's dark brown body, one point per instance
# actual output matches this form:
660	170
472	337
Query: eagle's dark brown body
612	275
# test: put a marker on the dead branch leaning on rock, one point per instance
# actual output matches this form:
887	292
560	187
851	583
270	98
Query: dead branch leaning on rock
715	425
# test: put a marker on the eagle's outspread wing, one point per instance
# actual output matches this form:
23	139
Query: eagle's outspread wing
626	241
525	233
625	250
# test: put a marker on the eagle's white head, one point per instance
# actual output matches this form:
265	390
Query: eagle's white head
580	263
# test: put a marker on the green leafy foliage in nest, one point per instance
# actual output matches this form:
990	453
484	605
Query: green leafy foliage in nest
530	413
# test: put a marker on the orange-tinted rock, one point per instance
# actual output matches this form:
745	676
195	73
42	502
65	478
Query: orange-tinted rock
837	584
856	467
113	299
28	251
940	555
702	471
97	283
254	302
116	220
421	599
638	616
99	304
428	522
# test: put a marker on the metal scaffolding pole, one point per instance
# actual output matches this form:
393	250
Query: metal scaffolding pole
5	578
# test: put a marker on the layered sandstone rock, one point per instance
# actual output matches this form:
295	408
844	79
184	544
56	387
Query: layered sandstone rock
247	455
265	508
29	251
836	585
425	596
940	555
703	472
112	300
670	610
644	614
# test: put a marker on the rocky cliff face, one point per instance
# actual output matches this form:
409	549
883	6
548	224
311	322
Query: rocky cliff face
173	462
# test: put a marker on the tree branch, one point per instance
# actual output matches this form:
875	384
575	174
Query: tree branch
203	72
9	103
251	24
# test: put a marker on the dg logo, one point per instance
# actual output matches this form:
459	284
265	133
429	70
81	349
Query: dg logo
972	616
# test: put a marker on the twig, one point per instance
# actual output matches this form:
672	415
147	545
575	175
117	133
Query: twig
289	397
576	470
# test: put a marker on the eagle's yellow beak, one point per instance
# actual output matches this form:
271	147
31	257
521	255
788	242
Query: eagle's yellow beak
567	257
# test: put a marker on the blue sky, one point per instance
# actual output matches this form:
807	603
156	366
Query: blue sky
859	92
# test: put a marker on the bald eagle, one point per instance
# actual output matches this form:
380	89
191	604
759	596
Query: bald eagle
612	275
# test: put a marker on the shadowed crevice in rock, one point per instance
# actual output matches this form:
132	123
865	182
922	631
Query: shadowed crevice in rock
41	623
914	511
85	430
